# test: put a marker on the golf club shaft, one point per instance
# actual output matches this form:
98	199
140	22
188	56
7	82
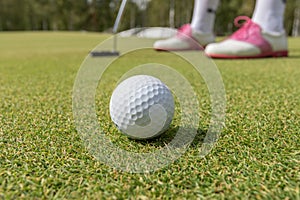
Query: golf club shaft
120	13
116	25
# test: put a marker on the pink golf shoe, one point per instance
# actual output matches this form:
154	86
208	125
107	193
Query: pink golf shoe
185	39
250	41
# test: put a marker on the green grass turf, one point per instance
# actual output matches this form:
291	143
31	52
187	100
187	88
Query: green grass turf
42	155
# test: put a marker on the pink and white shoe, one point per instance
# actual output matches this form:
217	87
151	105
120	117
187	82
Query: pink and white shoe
185	39
250	41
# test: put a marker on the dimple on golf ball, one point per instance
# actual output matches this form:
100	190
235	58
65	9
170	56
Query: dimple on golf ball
142	107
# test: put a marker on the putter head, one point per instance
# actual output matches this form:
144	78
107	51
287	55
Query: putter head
104	53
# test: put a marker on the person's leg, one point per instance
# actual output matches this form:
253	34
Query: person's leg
269	15
204	15
199	33
263	36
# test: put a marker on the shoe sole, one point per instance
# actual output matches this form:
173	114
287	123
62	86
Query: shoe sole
265	55
178	49
198	48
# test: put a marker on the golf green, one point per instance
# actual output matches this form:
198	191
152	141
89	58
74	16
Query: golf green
43	157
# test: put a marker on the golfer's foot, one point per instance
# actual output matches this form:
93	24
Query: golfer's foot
185	39
250	41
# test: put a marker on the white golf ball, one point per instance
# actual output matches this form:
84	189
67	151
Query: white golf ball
142	107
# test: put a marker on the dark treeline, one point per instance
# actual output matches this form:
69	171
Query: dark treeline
99	15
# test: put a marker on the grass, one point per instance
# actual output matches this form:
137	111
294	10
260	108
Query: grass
43	157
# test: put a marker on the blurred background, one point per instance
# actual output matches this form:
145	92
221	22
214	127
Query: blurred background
99	15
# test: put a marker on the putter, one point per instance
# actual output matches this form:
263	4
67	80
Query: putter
114	51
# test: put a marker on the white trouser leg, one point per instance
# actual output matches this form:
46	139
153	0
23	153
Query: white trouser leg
204	15
269	14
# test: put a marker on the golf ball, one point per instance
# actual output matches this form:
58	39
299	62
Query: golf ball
142	107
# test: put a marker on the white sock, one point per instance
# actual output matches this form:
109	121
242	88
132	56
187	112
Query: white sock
269	14
204	15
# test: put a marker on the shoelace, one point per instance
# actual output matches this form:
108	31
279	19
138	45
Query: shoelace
247	28
241	18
